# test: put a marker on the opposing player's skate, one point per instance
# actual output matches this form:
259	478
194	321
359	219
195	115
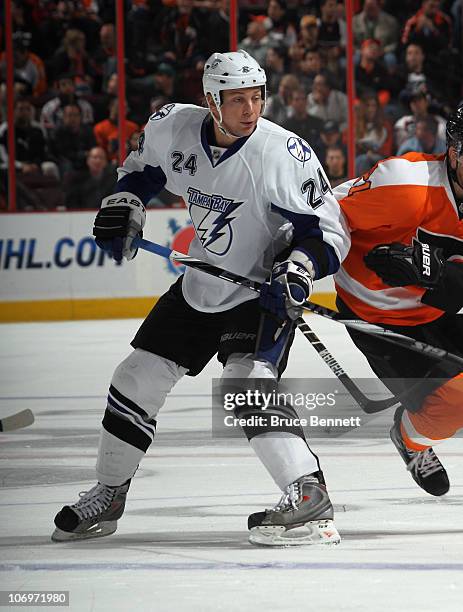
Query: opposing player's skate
93	516
424	466
303	516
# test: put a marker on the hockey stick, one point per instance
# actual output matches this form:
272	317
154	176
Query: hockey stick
366	404
17	421
388	335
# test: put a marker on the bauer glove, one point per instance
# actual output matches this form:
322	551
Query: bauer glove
399	265
121	217
290	284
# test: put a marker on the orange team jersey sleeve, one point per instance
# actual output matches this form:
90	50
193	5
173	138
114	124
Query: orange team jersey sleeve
388	204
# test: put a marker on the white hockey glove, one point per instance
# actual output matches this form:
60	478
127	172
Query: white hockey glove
121	217
291	283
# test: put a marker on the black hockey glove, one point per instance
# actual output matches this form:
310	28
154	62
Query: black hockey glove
399	265
121	217
290	285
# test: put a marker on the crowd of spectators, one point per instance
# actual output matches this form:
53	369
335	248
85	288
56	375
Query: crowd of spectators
408	77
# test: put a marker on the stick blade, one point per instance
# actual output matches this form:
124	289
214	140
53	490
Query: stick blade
17	421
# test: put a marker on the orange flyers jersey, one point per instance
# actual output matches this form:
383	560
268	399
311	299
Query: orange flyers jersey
399	199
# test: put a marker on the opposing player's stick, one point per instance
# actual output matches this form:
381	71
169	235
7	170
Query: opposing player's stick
365	403
17	421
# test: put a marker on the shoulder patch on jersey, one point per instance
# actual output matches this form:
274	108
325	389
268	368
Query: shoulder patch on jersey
299	149
162	112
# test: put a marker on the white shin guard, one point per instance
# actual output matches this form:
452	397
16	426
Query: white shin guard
286	456
117	460
139	387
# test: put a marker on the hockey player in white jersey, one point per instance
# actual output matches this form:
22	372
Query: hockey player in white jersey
261	206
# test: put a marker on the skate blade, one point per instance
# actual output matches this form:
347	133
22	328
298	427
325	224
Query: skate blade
99	530
313	533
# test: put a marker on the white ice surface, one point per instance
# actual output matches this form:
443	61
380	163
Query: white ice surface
182	542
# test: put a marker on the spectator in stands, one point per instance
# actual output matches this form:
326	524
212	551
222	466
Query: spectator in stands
430	28
184	33
107	134
162	82
102	102
372	74
278	105
30	145
85	189
411	73
52	112
257	41
38	187
309	67
72	58
330	135
331	36
373	22
104	56
373	134
27	65
300	122
307	38
331	29
404	127
275	67
281	29
426	138
308	33
71	141
335	164
218	28
327	103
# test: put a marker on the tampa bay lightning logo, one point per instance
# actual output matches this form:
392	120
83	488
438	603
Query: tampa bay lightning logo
299	149
162	112
212	216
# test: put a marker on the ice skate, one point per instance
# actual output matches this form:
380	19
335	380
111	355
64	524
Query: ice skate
303	516
424	466
93	516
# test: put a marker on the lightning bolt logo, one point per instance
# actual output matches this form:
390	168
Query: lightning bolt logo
212	216
219	225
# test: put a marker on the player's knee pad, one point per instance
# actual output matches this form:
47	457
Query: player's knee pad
145	379
138	389
251	386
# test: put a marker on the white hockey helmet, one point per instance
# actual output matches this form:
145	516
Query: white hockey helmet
233	70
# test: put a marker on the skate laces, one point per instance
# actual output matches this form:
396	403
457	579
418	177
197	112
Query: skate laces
95	501
289	498
425	463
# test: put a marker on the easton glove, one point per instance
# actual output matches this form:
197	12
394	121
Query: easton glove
290	284
121	217
399	265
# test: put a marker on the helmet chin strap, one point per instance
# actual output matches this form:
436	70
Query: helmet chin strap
221	126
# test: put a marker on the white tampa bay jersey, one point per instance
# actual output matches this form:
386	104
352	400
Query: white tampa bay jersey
265	192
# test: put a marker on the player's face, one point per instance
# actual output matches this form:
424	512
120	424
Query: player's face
241	109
